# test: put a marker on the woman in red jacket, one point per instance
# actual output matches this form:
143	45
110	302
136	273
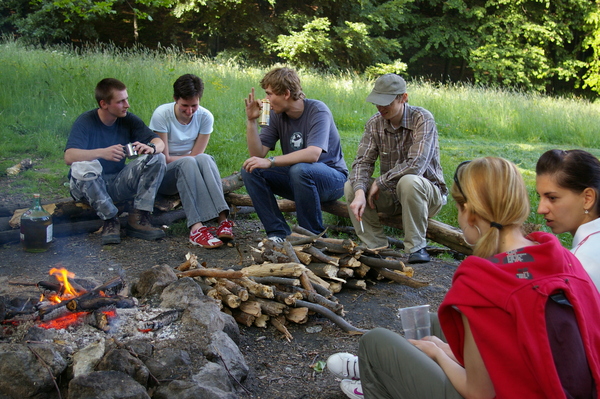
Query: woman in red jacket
520	318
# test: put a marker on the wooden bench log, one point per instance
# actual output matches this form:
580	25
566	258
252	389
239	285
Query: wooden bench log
437	231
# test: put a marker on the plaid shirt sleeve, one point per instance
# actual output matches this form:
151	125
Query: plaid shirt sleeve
366	156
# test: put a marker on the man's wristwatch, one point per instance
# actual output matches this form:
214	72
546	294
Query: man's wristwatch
272	159
153	147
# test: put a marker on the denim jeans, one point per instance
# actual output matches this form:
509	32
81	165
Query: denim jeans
307	184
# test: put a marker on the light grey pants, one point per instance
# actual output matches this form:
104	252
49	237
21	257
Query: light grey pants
139	179
392	368
419	198
198	182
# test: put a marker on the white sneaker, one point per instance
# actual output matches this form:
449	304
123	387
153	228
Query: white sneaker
275	239
352	389
343	365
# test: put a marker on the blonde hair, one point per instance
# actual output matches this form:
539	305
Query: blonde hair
494	190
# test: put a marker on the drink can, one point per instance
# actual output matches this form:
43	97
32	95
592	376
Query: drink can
130	150
265	115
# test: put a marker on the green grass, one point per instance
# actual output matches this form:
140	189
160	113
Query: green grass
43	91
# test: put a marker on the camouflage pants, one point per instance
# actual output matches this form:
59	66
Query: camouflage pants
139	180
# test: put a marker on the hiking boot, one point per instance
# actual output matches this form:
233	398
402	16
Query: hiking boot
352	389
203	238
343	365
225	230
111	231
139	226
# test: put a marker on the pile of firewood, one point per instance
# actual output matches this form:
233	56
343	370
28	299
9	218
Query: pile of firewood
293	279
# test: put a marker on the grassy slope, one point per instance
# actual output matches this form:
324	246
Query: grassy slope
44	91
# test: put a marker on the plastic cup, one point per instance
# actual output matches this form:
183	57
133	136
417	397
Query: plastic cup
415	321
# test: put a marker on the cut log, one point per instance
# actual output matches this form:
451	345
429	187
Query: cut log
261	321
356	284
319	299
343	324
270	308
345	273
254	288
303	257
279	324
324	270
297	315
379	263
305	282
234	288
251	307
211	272
228	298
242	317
319	256
274	269
401	279
276	280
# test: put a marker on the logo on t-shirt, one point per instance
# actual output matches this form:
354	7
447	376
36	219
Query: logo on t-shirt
296	141
524	274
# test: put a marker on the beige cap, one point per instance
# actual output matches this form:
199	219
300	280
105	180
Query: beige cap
387	87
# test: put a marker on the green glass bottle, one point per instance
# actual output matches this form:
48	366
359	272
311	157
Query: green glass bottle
36	227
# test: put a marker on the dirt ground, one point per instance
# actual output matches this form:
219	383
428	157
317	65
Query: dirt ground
279	369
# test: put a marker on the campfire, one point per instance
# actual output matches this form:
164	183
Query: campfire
64	303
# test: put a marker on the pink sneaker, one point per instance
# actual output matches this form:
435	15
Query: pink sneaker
225	230
203	238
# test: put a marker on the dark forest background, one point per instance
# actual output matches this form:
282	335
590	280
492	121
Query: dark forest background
548	46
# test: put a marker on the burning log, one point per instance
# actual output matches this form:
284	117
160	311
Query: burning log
84	304
98	320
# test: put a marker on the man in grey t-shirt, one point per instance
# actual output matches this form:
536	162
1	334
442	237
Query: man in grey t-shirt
312	168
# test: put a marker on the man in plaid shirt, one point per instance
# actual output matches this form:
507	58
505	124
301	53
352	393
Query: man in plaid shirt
411	183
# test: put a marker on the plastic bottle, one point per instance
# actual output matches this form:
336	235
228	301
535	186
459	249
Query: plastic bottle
36	227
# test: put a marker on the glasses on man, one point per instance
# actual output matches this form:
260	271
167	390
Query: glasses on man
460	165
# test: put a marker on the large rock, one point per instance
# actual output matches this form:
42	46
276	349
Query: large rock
212	382
106	385
122	360
25	369
181	294
153	281
170	364
223	351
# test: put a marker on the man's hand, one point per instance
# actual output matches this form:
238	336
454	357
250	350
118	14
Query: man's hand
113	153
256	162
373	195
358	204
253	106
143	148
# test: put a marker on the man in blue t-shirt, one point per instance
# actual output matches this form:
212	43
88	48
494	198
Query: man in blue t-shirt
312	168
95	151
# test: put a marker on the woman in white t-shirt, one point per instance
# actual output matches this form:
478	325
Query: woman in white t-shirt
185	127
568	183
